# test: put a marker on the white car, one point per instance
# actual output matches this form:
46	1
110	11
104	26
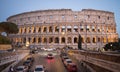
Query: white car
39	68
67	61
21	69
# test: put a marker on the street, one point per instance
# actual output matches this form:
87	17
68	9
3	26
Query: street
51	65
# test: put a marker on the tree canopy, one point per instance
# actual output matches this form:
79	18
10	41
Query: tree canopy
8	27
112	46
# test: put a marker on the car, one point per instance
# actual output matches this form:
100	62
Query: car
50	56
31	59
72	67
27	63
49	49
21	69
63	54
67	61
64	57
39	68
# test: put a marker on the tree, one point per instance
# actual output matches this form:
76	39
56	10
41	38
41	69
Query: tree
112	46
8	27
80	42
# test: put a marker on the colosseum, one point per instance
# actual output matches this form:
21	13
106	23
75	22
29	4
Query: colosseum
57	28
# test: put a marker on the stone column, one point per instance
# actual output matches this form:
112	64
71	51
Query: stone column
59	40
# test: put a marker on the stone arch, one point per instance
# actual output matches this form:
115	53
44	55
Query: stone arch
69	40
34	40
93	40
56	40
50	29
75	40
50	39
88	39
63	40
44	40
39	40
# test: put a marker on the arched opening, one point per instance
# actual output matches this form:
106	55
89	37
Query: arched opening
75	40
50	39
34	40
45	29
93	40
69	40
82	40
39	30
63	40
88	40
39	40
98	39
29	39
50	29
24	40
44	40
56	40
56	29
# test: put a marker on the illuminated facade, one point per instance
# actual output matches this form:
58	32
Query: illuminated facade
60	28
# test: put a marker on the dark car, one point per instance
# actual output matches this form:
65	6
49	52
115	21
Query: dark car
50	56
72	67
31	59
27	63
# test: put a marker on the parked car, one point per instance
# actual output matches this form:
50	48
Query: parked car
67	61
21	69
39	68
50	56
72	67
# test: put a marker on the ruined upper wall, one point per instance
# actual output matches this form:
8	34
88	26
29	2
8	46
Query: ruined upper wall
63	15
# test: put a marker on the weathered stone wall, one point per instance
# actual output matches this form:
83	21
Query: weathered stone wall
5	46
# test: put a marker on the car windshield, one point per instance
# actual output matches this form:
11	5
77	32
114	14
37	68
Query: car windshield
74	66
69	61
66	58
19	69
50	54
38	69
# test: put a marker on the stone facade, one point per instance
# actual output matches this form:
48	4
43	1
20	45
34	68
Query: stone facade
60	27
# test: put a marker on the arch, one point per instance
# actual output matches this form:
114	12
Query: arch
69	40
50	39
75	40
88	39
39	40
29	39
34	40
56	29
93	40
82	39
24	40
39	29
44	29
56	40
98	39
44	40
63	40
50	29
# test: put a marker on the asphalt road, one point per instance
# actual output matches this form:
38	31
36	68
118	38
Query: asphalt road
51	65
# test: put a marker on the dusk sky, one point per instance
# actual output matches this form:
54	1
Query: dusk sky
12	7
